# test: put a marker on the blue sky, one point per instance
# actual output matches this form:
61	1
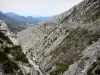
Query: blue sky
37	7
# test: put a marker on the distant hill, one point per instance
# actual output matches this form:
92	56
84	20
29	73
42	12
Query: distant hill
23	20
13	24
42	18
26	20
17	22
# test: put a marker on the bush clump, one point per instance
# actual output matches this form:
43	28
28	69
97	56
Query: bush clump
7	50
97	71
9	64
20	73
3	57
89	72
5	38
19	55
10	67
62	68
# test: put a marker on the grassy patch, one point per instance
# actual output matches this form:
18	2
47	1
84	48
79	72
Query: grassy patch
62	68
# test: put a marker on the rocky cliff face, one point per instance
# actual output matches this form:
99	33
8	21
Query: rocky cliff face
12	59
67	44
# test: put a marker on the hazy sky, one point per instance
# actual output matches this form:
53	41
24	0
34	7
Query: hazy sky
37	7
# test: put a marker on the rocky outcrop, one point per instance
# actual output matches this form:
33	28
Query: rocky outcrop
12	59
65	44
4	28
88	64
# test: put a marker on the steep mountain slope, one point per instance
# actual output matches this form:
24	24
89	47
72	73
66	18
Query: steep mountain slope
12	59
67	44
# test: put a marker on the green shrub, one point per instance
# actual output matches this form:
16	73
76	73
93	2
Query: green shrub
1	41
95	16
3	56
97	71
17	48
94	37
94	64
19	55
98	58
10	66
86	58
20	73
89	72
7	49
62	68
3	37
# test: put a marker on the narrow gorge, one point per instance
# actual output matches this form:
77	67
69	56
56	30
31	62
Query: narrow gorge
67	44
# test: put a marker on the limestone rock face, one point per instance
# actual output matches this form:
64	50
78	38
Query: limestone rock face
12	59
89	59
67	44
4	28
